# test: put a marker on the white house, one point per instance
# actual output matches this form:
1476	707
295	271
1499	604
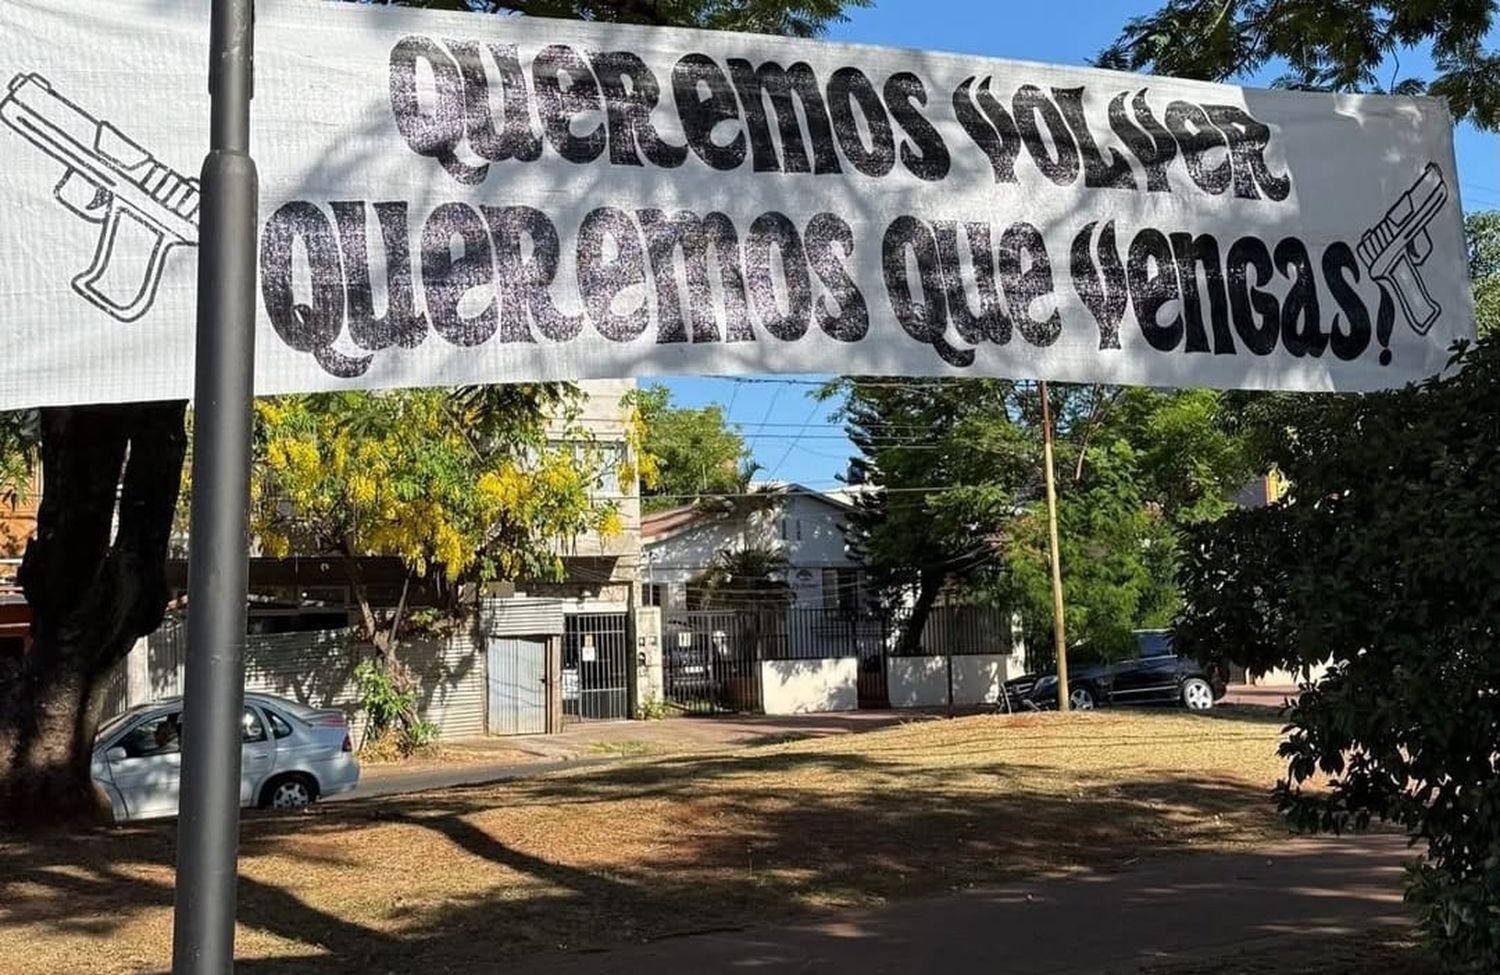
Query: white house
803	526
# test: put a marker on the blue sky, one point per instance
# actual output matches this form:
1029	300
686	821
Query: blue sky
794	437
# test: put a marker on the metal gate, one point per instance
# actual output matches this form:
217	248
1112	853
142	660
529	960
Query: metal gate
871	642
711	659
595	667
517	679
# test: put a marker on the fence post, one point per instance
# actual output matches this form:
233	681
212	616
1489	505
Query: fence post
948	658
554	685
138	673
632	652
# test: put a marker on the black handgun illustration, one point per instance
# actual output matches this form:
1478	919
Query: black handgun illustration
144	208
1394	249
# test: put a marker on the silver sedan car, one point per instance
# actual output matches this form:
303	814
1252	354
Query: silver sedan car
292	754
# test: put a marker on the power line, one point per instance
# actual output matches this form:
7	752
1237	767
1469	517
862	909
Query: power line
771	405
795	437
819	453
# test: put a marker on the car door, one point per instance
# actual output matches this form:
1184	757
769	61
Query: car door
1151	676
146	766
257	754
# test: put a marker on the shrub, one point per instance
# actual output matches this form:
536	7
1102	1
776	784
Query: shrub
1381	560
389	699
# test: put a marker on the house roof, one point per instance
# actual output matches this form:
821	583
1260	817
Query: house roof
659	524
662	525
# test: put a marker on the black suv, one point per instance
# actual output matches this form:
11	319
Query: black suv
1156	675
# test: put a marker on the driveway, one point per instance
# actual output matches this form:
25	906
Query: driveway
1213	906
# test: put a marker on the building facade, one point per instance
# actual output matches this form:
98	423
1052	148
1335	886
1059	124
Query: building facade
805	528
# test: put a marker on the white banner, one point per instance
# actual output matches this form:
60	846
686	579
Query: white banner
457	198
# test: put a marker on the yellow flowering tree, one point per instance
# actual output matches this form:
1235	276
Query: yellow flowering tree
474	484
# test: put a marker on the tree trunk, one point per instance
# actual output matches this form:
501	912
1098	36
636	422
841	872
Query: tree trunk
929	584
95	576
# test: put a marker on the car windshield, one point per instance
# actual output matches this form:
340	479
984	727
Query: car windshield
1155	644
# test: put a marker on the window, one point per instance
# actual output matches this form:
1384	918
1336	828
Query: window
279	727
654	595
158	735
799	529
1157	644
840	591
251	728
830	589
603	458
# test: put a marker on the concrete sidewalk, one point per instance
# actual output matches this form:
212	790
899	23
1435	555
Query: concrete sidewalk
1265	696
1207	907
720	731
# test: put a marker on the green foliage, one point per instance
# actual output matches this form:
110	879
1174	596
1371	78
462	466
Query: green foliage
20	443
694	451
1135	467
388	696
475	483
653	709
420	734
1325	45
1483	233
386	703
961	465
1382	561
949	464
1117	554
750	577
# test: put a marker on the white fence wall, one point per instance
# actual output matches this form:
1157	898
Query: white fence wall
809	686
924	682
917	682
977	678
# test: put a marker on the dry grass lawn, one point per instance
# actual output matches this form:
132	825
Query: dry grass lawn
443	881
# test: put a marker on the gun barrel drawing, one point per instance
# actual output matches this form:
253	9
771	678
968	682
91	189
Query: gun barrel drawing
144	207
1395	249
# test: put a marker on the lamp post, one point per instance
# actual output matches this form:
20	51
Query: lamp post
218	553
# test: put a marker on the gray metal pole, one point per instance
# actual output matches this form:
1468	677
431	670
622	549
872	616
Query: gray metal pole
208	827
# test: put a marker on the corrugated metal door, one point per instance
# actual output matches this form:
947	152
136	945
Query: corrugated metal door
517	686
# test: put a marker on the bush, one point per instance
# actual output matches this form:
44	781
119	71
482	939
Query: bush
1381	560
652	709
389	699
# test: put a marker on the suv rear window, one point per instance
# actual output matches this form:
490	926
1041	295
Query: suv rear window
1155	644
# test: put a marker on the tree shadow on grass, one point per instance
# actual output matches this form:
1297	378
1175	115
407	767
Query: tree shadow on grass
737	852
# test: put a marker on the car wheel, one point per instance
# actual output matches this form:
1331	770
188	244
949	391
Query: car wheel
1081	698
1197	695
289	792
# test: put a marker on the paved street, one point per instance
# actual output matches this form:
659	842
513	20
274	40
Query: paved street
1172	909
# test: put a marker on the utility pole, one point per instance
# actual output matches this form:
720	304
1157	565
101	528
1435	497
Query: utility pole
1059	643
218	555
